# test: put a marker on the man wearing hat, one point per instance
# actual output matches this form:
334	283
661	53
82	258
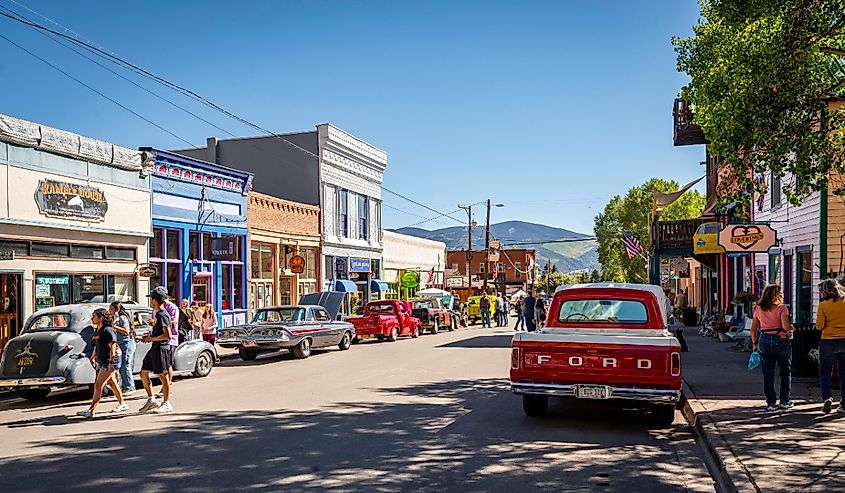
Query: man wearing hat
159	359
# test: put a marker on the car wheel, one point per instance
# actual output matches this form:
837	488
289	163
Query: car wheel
302	350
345	341
205	362
416	332
247	354
535	405
394	334
356	340
436	327
33	394
663	415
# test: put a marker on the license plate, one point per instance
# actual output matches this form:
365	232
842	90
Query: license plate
26	361
249	344
592	392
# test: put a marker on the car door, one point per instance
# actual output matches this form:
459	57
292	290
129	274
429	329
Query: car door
329	330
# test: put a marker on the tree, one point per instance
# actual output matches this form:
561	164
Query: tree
763	74
631	214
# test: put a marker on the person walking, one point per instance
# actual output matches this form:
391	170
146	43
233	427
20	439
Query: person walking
209	324
484	307
540	313
186	330
126	341
196	318
159	359
506	307
500	306
520	318
528	305
830	320
106	360
770	330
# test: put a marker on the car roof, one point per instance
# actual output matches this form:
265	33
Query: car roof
289	307
77	308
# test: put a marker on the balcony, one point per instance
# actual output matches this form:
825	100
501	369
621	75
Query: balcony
685	131
675	234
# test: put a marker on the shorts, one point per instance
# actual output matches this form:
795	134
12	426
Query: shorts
104	365
158	360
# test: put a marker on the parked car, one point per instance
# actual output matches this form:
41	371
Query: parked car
449	301
474	308
386	319
602	341
432	315
298	328
55	347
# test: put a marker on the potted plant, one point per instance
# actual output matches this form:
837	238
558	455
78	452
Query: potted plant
746	299
721	327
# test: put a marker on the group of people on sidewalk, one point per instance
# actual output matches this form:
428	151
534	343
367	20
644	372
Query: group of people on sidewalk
114	349
771	331
530	312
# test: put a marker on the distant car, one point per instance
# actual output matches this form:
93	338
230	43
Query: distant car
432	315
449	302
386	320
297	328
474	308
55	345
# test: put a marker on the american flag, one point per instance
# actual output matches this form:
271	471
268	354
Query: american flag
495	274
430	277
633	247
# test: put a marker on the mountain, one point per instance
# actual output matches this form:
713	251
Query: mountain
567	256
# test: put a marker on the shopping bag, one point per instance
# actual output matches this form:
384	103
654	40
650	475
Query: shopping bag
755	360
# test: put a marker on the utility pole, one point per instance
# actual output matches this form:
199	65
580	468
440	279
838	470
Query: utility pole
487	247
548	271
468	208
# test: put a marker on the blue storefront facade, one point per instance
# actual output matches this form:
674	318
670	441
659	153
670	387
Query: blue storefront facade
199	246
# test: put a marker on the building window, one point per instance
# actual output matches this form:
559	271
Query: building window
172	245
343	213
232	282
155	244
500	267
777	191
49	250
377	220
454	266
120	253
310	256
205	254
19	247
517	267
261	261
238	285
482	268
194	245
64	289
166	242
363	218
89	252
225	289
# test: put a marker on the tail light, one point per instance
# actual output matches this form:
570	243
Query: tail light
515	361
675	367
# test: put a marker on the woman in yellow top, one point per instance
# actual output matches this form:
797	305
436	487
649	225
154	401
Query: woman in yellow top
831	321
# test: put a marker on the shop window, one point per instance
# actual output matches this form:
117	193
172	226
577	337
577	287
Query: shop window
89	252
19	247
238	286
310	256
155	250
51	290
774	268
194	245
206	246
306	287
173	278
363	218
89	288
121	288
261	262
120	253
172	246
225	286
49	250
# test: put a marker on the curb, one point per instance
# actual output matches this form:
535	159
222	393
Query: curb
732	475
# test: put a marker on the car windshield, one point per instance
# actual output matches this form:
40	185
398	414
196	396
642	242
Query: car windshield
423	304
276	315
51	321
603	311
382	308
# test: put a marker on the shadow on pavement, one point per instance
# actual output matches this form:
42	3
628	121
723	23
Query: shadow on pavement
493	341
462	435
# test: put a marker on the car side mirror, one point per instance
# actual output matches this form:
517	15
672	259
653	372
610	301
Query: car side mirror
339	317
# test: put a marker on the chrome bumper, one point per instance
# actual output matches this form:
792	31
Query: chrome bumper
31	382
657	396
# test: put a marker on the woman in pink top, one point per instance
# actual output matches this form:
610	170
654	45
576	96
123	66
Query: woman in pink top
770	336
209	324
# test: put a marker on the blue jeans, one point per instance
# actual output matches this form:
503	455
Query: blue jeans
831	350
485	318
530	324
127	347
776	352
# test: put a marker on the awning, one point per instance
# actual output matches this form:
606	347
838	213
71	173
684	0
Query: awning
378	285
345	286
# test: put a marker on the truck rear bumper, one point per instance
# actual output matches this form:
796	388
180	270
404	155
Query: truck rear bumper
656	396
31	382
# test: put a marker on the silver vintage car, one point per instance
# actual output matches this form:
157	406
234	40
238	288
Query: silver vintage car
297	328
55	346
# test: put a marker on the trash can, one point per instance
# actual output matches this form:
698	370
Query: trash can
689	316
804	340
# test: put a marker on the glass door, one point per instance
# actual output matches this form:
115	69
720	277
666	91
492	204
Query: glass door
200	290
10	307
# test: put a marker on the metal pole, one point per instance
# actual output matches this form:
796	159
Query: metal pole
487	247
469	251
548	272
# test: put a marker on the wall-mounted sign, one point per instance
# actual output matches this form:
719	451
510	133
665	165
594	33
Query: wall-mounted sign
706	239
297	264
410	279
7	255
44	302
148	270
224	248
359	265
495	247
454	282
70	201
747	238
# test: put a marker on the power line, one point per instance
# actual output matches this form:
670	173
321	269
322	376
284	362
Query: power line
442	214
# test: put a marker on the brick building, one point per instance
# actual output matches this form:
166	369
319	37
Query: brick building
518	268
279	230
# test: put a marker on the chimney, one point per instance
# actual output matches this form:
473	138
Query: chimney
211	149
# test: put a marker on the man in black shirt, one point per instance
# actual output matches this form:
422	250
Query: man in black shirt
528	306
159	359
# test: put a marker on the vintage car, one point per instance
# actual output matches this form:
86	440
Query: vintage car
474	308
55	345
449	301
602	341
386	320
298	328
432	315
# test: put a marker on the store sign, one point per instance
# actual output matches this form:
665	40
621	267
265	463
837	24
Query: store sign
297	264
495	248
7	255
706	239
359	265
225	248
410	280
454	282
148	270
747	238
70	201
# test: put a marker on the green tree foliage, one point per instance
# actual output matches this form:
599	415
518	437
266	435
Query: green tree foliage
555	279
631	213
763	74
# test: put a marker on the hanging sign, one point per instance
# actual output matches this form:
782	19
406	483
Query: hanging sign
70	201
410	280
225	248
147	270
297	264
747	238
7	255
495	248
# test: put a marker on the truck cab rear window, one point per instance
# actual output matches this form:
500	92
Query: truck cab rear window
603	311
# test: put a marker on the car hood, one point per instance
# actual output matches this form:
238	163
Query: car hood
330	300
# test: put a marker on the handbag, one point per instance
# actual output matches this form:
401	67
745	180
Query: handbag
754	360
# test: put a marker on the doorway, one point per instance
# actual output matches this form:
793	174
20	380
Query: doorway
286	290
201	289
804	286
11	312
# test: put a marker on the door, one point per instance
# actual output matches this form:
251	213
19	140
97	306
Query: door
200	289
11	313
286	290
804	286
262	294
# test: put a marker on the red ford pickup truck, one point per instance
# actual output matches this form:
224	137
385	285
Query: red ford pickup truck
386	319
602	341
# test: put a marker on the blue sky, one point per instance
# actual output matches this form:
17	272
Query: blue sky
550	107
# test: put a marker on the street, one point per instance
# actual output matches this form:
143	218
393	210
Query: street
427	414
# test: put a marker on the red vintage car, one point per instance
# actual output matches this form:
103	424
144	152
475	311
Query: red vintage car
602	341
386	319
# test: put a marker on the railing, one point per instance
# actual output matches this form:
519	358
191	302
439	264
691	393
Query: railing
674	234
685	131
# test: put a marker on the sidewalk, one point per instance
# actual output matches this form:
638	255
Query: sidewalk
796	450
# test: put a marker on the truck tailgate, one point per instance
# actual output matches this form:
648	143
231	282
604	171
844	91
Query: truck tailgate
366	325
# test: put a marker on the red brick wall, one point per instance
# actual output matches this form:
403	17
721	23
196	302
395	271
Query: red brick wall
269	213
523	256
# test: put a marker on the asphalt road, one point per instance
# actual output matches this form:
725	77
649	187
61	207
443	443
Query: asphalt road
427	414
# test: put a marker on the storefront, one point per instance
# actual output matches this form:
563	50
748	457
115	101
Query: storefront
199	246
421	262
75	223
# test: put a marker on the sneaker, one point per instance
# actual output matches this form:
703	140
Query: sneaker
827	405
122	408
787	405
772	408
164	408
86	413
149	405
